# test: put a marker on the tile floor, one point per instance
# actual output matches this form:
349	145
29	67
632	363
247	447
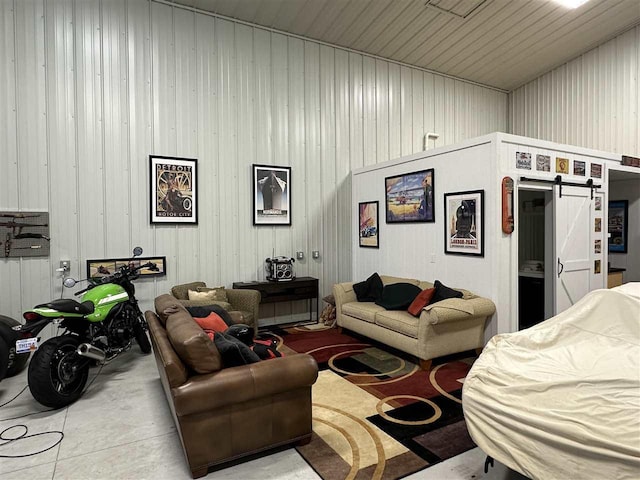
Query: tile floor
122	429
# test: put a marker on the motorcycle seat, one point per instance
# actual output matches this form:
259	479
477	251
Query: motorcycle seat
67	305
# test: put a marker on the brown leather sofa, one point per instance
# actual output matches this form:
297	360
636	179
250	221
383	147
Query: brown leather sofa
224	414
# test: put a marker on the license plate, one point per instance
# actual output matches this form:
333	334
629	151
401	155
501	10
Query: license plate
26	345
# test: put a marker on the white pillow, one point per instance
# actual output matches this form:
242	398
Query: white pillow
193	295
220	293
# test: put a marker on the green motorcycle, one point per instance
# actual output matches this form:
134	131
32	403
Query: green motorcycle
96	330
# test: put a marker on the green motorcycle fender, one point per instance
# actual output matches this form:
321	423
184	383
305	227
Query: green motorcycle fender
104	298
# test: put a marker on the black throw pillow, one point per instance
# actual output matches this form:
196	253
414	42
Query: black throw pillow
203	311
443	292
370	290
398	296
233	352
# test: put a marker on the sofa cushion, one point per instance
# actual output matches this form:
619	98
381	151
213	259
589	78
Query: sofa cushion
421	301
443	292
389	280
206	299
192	345
219	293
234	353
398	321
205	310
166	305
362	310
211	323
181	292
398	296
369	290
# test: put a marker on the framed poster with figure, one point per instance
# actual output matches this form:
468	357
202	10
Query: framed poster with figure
271	195
464	223
174	190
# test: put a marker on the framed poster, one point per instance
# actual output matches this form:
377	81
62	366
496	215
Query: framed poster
618	226
102	267
271	195
562	165
173	190
410	197
464	223
368	219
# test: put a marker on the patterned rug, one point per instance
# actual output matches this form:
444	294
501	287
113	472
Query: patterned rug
375	413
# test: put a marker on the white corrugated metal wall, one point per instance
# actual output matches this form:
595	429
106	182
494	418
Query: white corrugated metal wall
88	89
592	101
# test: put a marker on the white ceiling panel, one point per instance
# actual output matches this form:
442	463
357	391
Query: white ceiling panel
501	43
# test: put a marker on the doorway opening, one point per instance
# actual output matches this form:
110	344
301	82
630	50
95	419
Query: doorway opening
535	251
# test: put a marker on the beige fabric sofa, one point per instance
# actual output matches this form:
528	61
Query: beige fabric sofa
450	326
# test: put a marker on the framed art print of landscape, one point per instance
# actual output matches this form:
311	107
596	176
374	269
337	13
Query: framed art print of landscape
410	197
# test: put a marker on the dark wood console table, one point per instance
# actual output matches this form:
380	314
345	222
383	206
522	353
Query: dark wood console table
302	288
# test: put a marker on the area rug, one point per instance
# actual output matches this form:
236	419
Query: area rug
375	413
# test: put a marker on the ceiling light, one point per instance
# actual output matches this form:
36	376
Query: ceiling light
571	3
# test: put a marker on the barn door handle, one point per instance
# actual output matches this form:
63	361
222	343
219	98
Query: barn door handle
560	267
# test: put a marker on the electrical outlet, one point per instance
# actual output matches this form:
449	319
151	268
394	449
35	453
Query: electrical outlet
65	265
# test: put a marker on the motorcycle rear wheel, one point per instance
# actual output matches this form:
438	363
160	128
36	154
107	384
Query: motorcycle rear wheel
58	375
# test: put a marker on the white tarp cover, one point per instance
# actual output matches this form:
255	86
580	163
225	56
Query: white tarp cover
561	400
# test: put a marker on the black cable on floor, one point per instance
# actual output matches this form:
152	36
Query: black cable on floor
24	436
26	430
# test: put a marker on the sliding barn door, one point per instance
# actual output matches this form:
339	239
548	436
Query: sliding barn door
573	223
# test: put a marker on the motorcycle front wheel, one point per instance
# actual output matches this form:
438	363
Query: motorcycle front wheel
57	374
141	337
138	324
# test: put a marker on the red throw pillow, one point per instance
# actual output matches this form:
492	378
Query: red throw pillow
211	324
421	301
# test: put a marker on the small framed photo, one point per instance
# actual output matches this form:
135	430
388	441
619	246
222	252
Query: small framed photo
103	267
410	197
562	165
368	222
271	195
464	223
523	160
173	190
543	163
618	226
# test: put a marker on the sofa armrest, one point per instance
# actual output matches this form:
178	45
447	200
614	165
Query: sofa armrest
245	300
456	309
343	293
231	386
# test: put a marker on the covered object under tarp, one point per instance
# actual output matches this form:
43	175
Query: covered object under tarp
561	400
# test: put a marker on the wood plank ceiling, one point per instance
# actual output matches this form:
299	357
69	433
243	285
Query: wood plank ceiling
500	43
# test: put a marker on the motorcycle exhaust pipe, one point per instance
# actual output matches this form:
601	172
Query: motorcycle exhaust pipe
89	351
